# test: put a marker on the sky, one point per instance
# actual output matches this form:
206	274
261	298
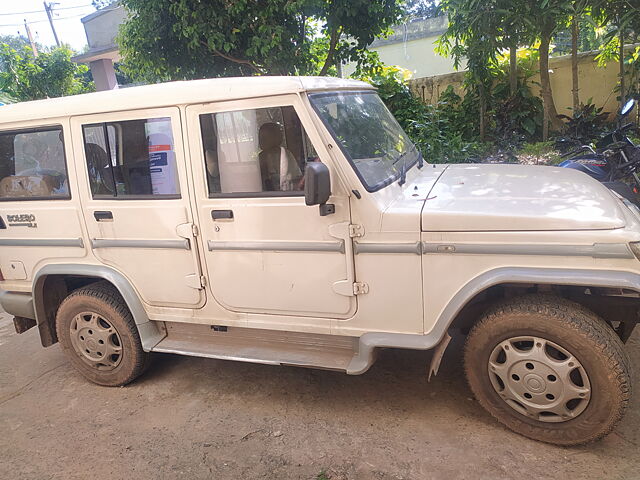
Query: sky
66	19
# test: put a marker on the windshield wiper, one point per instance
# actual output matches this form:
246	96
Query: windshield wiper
403	173
403	168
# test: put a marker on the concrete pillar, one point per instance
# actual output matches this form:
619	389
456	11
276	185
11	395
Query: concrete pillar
104	75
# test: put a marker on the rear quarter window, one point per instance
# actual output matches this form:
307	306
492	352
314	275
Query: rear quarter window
32	165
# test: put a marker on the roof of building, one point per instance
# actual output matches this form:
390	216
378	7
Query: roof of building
101	29
169	94
414	30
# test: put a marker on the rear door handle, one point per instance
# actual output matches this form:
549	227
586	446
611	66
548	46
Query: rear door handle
103	215
222	214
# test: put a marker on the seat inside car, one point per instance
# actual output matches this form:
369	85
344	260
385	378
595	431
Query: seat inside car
27	186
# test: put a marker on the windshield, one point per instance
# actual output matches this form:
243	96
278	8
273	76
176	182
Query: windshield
371	138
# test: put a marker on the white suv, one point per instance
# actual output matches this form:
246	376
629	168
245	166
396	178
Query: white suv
287	220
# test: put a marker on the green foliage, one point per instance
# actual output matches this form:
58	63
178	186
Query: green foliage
513	118
5	98
121	76
537	149
16	42
51	74
608	51
585	124
517	116
186	39
422	8
590	37
460	113
322	476
98	4
633	61
435	129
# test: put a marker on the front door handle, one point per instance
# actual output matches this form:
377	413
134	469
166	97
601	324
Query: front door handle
222	214
103	215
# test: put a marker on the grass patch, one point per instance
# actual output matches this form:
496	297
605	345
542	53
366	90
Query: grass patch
539	153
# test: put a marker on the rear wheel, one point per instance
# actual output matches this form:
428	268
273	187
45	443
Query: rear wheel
549	369
99	336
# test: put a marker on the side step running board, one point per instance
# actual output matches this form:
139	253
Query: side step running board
259	346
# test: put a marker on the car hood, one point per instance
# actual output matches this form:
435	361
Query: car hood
496	197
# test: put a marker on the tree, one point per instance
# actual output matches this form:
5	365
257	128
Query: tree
51	74
582	26
577	9
99	4
16	42
422	8
187	39
478	31
624	16
358	22
544	17
514	32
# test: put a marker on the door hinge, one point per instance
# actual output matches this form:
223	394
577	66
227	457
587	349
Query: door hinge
195	281
187	230
360	288
356	231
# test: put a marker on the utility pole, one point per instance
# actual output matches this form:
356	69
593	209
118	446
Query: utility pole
30	37
48	7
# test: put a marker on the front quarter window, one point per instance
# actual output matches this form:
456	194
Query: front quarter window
370	137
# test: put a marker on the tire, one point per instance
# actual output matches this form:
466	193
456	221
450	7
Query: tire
99	336
568	361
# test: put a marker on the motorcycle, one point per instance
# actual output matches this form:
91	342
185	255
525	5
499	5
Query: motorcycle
614	161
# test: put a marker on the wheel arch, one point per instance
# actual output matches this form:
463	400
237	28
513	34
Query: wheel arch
452	315
56	279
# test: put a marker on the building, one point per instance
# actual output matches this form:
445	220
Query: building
101	28
412	46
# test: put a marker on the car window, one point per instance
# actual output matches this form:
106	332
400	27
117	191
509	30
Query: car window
375	144
256	152
32	165
131	159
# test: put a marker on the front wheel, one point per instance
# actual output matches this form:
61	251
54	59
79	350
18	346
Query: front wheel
549	369
99	336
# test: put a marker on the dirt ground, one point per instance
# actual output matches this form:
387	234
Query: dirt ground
199	418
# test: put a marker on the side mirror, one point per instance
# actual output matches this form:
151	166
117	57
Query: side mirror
626	109
317	187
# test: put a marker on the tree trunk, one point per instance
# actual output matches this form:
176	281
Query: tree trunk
513	69
575	31
483	111
333	43
621	61
550	112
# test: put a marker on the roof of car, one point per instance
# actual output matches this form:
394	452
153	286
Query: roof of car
171	93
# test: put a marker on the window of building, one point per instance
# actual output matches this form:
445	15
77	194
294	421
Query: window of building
131	159
32	165
258	152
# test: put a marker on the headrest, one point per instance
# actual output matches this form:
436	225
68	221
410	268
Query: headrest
95	152
270	136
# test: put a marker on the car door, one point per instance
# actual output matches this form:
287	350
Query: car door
265	250
39	206
136	205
